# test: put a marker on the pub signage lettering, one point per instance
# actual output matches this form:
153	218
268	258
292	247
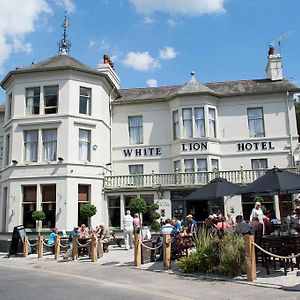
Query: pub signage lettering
139	152
194	146
254	146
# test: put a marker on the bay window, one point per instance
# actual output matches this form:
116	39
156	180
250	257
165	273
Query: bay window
199	122
50	144
31	145
187	121
33	101
212	122
50	99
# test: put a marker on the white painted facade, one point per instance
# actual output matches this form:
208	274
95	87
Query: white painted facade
112	153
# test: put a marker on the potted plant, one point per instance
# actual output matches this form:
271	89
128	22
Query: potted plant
138	205
155	215
39	216
87	211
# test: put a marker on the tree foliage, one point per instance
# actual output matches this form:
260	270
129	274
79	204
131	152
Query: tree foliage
138	205
38	215
88	210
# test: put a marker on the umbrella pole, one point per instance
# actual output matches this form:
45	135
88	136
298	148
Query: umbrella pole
276	205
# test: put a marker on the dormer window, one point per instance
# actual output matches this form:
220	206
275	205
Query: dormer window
50	99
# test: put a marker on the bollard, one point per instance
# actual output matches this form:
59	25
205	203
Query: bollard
137	250
25	246
57	247
40	246
250	258
94	250
75	248
167	251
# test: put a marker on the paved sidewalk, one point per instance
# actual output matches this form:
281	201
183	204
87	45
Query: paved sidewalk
120	257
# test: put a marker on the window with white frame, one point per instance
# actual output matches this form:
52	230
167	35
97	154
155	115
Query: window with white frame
189	166
261	163
135	126
49	144
84	195
49	204
29	205
31	145
211	122
33	101
51	99
199	122
136	170
9	106
187	122
214	164
202	167
176	130
7	150
85	101
256	122
177	167
84	144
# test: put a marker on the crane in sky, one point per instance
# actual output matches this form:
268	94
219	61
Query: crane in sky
280	39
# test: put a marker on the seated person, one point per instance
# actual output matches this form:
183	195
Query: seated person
222	224
241	226
83	232
296	220
167	228
51	239
103	235
73	233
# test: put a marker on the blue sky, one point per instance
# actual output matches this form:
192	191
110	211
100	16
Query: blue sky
155	42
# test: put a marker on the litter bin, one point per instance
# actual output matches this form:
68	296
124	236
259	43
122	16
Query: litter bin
148	255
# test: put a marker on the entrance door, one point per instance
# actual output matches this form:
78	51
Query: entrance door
199	209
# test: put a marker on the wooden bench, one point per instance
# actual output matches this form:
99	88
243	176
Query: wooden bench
118	236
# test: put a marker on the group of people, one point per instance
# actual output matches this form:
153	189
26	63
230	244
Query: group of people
131	225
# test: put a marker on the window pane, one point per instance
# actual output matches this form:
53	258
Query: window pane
84	144
177	166
31	145
189	165
259	163
50	144
256	122
114	211
50	99
85	101
29	205
175	124
135	125
136	170
33	101
199	122
187	122
214	165
83	193
49	193
212	122
201	165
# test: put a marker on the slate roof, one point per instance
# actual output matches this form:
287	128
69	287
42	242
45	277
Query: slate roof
57	62
218	89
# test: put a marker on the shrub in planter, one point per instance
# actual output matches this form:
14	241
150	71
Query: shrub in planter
88	210
155	226
38	215
138	205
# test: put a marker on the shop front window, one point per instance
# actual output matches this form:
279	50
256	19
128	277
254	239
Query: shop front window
114	211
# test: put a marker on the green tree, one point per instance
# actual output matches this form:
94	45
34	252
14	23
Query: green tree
87	211
39	216
138	205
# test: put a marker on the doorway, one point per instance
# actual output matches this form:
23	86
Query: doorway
199	209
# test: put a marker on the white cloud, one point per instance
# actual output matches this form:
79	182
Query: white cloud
141	61
104	45
91	44
14	26
167	53
171	22
151	82
67	4
148	20
179	7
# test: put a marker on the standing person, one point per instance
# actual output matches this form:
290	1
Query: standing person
51	239
137	223
128	230
257	212
192	226
73	233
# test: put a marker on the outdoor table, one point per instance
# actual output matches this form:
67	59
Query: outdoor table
83	250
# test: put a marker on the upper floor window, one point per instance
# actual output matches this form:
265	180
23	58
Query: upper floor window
50	144
177	166
84	144
85	101
176	132
214	165
33	101
211	122
187	121
7	150
199	122
261	163
135	125
256	122
31	145
9	106
136	169
201	164
189	165
50	99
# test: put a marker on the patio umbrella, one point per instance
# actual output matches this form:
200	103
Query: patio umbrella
216	188
275	181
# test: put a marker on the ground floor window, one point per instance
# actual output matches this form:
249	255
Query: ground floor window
29	205
147	215
83	198
114	211
49	204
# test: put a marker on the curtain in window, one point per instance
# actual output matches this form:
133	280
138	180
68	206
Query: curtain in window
84	145
135	169
136	130
189	165
49	143
177	166
214	165
202	166
259	164
187	122
33	101
255	121
212	122
176	124
199	122
31	145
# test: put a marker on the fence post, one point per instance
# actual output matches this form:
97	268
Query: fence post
94	250
75	247
25	246
57	247
250	258
167	251
40	246
137	250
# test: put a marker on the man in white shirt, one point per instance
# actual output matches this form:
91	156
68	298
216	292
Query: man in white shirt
128	229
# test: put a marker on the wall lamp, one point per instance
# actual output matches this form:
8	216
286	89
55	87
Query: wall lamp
60	159
14	161
108	164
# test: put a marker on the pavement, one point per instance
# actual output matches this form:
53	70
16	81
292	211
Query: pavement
124	258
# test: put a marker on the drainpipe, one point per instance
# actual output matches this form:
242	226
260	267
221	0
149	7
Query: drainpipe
110	123
289	129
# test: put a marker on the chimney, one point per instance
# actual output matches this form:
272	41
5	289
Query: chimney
108	69
274	66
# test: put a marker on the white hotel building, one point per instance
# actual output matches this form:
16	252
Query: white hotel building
72	136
